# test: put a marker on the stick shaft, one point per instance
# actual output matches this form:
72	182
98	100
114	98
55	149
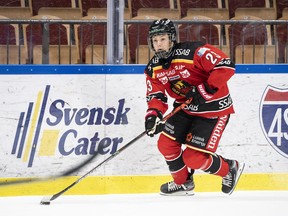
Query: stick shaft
55	196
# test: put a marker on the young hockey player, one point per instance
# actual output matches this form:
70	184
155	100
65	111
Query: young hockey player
181	71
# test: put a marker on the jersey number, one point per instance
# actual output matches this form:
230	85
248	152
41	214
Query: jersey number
211	58
149	86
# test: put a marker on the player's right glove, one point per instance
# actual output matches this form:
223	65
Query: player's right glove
201	93
152	122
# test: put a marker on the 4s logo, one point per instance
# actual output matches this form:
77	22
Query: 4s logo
274	118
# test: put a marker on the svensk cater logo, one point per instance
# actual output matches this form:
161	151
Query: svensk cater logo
274	118
47	127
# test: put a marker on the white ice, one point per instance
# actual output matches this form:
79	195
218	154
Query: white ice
260	203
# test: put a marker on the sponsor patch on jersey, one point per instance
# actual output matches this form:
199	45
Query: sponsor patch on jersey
174	78
201	51
163	80
274	118
185	73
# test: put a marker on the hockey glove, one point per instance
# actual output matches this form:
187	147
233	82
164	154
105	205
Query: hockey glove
152	122
200	93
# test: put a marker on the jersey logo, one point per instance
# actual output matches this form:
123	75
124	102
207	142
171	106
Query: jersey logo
164	80
184	52
202	51
185	73
274	118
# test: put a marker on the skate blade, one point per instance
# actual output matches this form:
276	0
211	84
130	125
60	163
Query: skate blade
239	173
180	193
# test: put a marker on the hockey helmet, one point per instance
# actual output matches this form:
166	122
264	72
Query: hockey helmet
162	26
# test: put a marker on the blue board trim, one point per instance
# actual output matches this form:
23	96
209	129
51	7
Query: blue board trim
120	69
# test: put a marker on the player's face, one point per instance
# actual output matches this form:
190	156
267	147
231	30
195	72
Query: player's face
161	42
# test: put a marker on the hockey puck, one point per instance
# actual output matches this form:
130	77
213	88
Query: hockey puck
45	203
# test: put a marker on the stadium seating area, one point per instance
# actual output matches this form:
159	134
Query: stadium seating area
85	43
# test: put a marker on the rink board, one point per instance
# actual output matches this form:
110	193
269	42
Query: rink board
144	184
54	117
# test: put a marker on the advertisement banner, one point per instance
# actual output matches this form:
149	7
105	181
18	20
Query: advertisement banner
52	122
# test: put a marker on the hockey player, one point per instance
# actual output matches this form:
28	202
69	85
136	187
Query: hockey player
189	139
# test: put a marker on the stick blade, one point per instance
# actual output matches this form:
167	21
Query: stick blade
46	200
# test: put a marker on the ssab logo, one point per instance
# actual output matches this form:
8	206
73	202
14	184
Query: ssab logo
274	118
50	126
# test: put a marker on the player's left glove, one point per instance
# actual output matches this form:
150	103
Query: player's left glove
152	122
200	93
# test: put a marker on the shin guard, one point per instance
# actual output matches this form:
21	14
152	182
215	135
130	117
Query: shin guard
178	169
216	165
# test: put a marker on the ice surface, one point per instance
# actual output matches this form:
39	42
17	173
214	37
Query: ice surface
248	203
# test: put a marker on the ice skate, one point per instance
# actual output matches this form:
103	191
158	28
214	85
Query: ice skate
230	181
172	189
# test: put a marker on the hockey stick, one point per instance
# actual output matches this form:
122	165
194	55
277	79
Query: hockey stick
66	173
47	199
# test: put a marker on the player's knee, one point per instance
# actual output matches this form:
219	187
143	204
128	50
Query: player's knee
167	146
194	159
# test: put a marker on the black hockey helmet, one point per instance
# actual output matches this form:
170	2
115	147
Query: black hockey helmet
162	26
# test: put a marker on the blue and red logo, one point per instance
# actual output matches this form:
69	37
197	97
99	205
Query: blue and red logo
274	118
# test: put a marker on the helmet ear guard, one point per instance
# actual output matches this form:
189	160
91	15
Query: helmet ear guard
162	26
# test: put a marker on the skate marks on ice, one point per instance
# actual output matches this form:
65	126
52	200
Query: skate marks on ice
239	203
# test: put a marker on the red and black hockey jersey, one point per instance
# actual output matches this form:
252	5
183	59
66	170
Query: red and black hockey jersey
191	64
